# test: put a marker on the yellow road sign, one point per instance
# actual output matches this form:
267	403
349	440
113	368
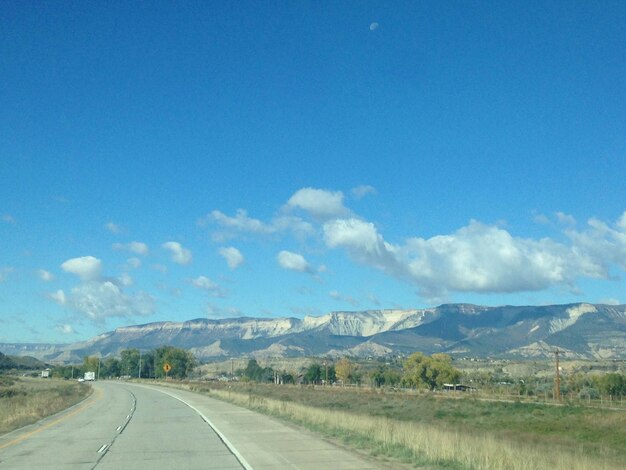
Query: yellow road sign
167	367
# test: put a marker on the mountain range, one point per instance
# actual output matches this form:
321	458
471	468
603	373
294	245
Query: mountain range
580	330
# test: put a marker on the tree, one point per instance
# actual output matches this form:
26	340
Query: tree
344	370
110	367
182	362
429	372
613	384
129	362
313	374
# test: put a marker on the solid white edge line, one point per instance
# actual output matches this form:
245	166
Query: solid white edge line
104	446
244	463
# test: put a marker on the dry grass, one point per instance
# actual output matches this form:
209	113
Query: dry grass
24	401
421	443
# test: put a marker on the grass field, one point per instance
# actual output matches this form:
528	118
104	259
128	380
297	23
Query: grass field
26	400
442	432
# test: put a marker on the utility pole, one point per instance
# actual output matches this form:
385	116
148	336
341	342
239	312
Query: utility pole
557	380
326	367
98	367
139	372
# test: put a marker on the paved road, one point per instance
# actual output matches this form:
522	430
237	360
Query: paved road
129	426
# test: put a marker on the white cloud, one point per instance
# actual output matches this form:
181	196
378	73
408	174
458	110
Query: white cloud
138	248
204	283
232	255
293	261
66	329
59	297
112	227
333	294
125	280
565	219
610	302
476	258
100	300
180	255
87	268
364	190
45	276
240	222
9	219
319	203
133	263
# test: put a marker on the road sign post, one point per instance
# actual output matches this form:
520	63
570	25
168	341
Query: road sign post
167	368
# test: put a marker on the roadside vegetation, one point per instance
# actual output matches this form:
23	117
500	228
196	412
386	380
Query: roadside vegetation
403	413
25	400
133	364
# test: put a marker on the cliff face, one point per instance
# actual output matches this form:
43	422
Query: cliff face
584	330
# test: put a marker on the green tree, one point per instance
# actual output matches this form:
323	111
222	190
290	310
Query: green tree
613	384
313	374
182	362
129	362
110	367
429	372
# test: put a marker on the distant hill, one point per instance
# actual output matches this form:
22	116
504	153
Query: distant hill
19	362
581	330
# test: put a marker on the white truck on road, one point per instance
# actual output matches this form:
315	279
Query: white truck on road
90	376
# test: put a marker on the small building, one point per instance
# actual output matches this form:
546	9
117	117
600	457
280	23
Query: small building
45	374
457	388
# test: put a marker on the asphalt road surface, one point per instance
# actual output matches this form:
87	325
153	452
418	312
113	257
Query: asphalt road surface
130	426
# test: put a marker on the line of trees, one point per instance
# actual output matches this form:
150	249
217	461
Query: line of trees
133	363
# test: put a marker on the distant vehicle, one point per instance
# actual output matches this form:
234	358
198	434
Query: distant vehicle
90	376
80	379
45	373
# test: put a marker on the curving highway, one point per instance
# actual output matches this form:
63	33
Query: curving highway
131	426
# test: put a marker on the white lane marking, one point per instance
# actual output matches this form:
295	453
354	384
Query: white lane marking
118	428
104	446
224	439
127	416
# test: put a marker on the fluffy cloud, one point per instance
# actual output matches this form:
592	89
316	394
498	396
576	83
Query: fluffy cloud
138	248
113	228
333	294
45	276
240	222
361	191
204	283
319	203
179	254
293	261
66	329
476	258
59	297
232	255
133	263
100	300
87	268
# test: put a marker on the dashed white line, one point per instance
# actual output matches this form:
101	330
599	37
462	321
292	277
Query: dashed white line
104	446
118	428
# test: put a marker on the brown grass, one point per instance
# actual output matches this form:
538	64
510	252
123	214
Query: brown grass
24	401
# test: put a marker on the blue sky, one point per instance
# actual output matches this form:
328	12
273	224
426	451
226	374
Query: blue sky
176	160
